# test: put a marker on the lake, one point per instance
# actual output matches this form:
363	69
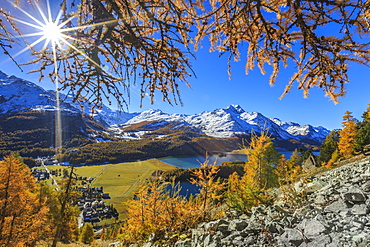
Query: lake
195	161
185	162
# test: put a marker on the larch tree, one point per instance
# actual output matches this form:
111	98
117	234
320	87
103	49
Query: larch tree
210	188
23	217
347	135
247	191
288	170
262	157
113	45
157	210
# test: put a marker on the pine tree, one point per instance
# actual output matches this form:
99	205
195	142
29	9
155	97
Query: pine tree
347	135
87	234
329	146
288	170
23	217
362	137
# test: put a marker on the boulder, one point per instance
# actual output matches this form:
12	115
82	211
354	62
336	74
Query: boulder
337	206
291	237
238	225
354	196
313	228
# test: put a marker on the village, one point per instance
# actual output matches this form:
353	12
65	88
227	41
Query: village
91	200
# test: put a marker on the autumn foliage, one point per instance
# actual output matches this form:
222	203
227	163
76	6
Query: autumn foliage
151	43
159	211
23	216
347	136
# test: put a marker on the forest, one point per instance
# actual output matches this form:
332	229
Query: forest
155	209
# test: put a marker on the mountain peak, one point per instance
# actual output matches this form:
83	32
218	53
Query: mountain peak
235	108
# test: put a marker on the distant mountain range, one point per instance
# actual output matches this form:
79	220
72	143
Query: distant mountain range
20	97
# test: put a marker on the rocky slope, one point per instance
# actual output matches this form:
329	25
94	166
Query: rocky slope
335	214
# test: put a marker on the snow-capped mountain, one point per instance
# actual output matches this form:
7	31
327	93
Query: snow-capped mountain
232	121
20	95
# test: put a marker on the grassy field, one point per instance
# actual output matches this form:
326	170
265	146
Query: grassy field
122	180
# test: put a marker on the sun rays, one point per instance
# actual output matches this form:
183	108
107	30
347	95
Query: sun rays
51	31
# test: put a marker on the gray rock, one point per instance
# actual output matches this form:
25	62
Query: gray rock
214	244
210	225
354	196
312	228
320	241
183	243
223	227
320	199
359	209
207	240
291	237
250	240
152	237
361	237
366	186
253	227
237	225
314	186
274	227
337	206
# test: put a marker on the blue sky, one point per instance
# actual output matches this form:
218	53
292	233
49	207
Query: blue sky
212	89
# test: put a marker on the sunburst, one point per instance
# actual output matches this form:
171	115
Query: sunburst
56	34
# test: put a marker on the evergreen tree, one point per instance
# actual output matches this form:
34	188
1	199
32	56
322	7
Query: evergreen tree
329	146
347	135
362	137
87	234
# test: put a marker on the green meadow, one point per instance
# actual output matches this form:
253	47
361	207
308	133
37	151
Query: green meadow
122	180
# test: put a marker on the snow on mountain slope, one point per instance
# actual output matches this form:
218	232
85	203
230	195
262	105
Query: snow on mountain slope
232	121
19	95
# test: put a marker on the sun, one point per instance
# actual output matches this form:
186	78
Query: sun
52	32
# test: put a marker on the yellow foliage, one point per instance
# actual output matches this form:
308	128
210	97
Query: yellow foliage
210	189
347	136
22	215
250	189
262	156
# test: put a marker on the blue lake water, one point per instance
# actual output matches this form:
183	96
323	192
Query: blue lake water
196	161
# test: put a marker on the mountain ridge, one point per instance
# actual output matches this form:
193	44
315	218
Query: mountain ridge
18	95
